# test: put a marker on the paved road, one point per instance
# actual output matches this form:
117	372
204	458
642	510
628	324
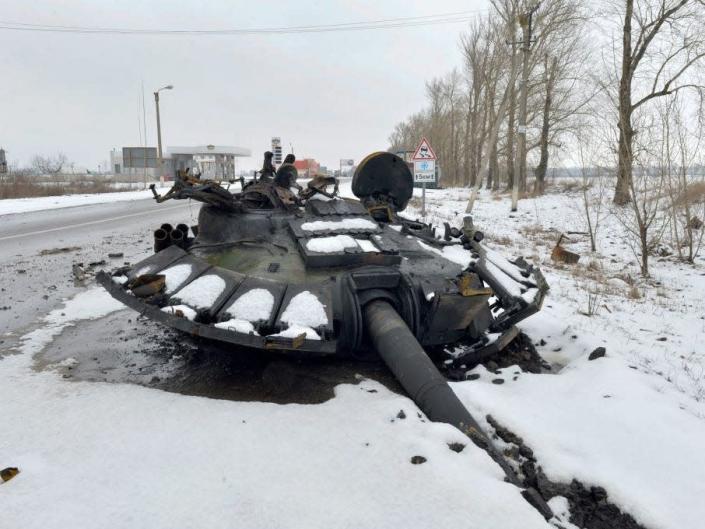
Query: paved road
31	284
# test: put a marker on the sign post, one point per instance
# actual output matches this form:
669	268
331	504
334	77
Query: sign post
424	169
277	150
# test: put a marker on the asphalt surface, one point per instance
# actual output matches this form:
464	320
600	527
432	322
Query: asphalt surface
35	274
37	253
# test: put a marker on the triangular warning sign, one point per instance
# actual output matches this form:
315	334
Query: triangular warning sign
424	151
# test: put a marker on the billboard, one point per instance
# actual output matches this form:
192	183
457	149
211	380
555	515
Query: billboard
347	162
277	150
139	157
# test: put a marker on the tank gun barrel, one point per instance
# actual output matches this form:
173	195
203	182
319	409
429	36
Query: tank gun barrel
428	388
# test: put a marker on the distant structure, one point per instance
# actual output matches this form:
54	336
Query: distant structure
307	168
134	162
277	150
3	162
216	162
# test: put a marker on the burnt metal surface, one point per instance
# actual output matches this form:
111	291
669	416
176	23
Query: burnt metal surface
344	252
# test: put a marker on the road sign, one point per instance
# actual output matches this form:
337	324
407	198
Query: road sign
425	171
425	178
424	166
277	150
424	151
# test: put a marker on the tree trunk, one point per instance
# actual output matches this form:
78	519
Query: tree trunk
511	128
625	160
469	144
493	175
643	238
540	171
510	147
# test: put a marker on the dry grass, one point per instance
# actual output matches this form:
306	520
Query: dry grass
694	193
570	186
502	240
24	189
634	293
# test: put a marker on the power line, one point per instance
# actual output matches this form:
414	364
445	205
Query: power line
390	23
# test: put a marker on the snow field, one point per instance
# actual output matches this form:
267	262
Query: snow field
118	455
631	422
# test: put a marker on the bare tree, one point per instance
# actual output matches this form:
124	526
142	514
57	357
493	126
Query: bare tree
49	165
662	40
645	220
680	148
593	186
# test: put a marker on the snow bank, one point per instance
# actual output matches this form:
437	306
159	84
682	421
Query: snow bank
203	292
254	305
9	206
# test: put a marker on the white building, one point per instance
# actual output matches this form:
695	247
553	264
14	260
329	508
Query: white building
214	162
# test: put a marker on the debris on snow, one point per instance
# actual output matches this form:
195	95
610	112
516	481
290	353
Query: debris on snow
598	352
181	311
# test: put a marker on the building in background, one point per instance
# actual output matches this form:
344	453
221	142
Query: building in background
277	150
307	168
215	162
3	162
134	163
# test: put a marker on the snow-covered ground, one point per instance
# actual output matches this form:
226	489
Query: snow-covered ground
633	422
9	206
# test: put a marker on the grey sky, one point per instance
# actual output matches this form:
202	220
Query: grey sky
332	95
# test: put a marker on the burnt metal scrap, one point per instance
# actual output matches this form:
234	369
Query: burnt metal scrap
301	271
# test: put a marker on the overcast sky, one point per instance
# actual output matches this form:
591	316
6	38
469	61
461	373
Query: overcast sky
331	95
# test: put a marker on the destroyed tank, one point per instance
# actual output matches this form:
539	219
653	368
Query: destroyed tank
302	271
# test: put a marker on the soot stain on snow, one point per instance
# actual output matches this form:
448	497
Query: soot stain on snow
521	352
123	348
589	506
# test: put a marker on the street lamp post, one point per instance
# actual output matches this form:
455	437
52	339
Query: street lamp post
159	128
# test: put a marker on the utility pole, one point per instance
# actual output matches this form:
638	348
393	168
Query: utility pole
159	129
144	144
525	20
